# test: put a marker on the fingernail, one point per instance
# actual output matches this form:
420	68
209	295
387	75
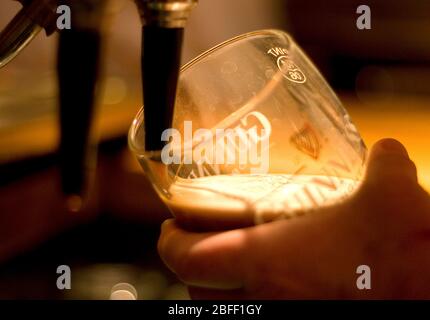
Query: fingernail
394	146
166	223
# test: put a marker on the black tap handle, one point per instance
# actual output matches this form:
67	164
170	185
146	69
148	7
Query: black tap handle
78	68
161	58
78	72
163	29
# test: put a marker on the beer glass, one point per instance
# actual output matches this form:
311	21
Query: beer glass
257	135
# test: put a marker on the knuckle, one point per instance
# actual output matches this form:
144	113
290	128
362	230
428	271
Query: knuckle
184	268
160	245
167	245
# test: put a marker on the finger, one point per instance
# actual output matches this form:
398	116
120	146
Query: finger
204	259
197	293
389	164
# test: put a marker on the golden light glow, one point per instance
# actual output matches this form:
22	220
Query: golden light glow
406	119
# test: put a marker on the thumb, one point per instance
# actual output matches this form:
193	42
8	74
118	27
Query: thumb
389	163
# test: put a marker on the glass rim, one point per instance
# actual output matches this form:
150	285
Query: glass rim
234	39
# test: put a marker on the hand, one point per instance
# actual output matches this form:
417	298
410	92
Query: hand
385	225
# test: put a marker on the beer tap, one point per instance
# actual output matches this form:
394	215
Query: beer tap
163	26
29	21
78	69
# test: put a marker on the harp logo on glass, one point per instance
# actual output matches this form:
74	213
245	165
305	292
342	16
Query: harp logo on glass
241	148
288	68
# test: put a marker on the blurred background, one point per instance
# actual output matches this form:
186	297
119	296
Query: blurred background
382	76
